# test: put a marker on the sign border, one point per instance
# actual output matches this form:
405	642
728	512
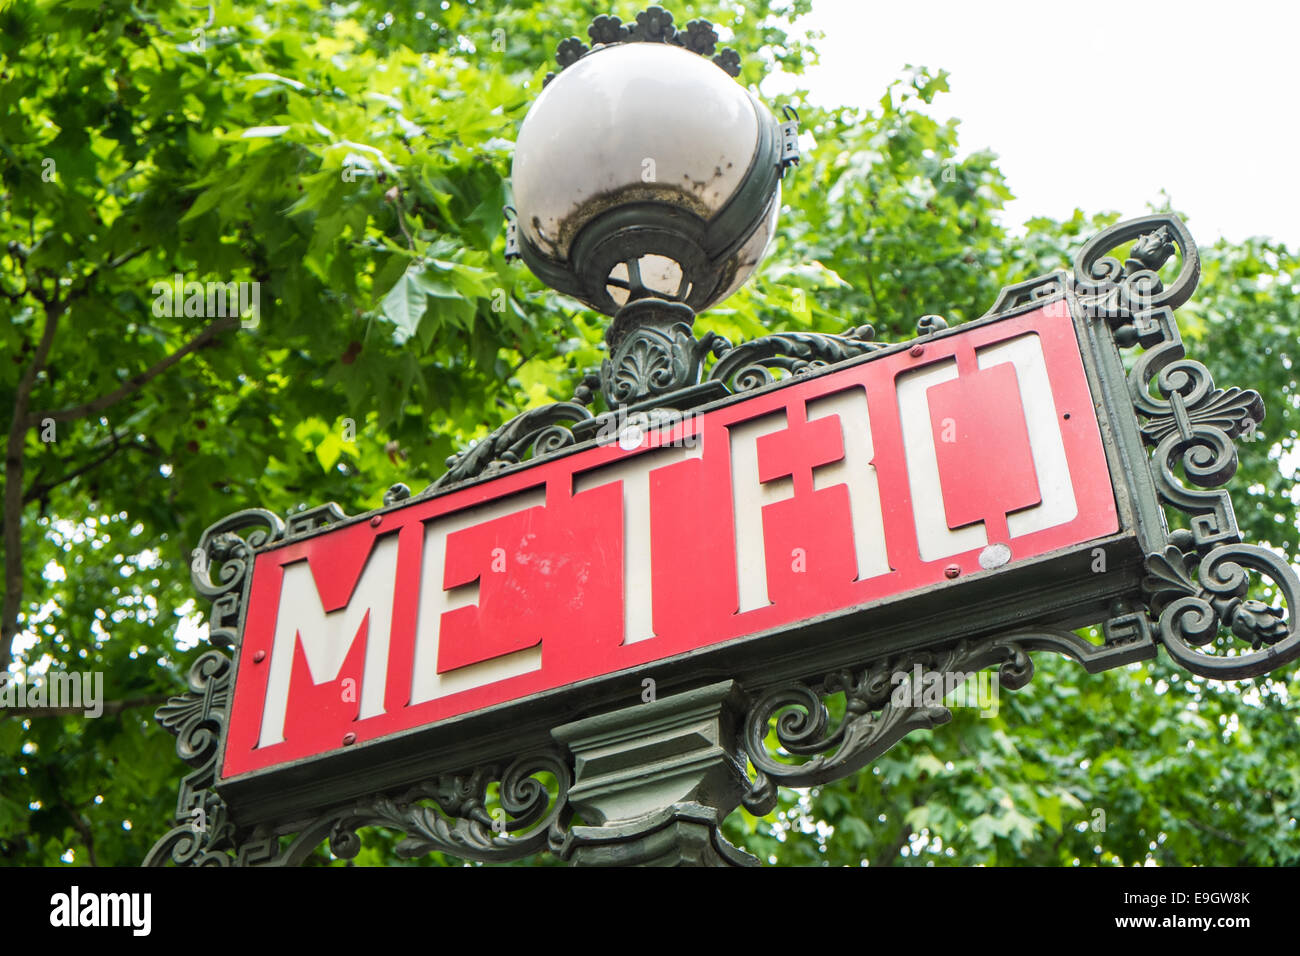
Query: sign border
1180	589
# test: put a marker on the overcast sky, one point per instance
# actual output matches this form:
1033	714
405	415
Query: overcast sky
1098	105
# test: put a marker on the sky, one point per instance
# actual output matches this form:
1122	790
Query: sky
1098	105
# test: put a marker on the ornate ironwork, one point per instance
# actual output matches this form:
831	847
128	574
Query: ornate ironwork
749	365
655	358
536	432
458	822
1188	422
653	352
528	819
222	546
1192	611
653	25
448	814
873	721
197	718
1198	589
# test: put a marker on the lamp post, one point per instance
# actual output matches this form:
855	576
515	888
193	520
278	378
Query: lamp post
647	183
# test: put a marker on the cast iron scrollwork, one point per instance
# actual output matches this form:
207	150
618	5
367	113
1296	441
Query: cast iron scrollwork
748	366
448	814
197	718
1192	422
1188	422
538	431
1119	291
1192	610
876	717
223	546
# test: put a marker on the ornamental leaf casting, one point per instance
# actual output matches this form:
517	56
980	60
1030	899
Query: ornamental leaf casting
653	25
653	352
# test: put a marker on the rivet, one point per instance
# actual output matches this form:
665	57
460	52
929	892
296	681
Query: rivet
349	739
916	351
951	571
259	657
374	522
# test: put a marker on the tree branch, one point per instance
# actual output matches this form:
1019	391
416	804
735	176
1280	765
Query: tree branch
82	827
14	448
13	493
889	856
136	382
1227	837
40	489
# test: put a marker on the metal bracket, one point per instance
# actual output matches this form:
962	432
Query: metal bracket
512	235
789	140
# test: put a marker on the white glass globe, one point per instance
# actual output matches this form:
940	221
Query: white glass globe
645	123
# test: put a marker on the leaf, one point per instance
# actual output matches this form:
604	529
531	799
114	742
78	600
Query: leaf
208	199
405	303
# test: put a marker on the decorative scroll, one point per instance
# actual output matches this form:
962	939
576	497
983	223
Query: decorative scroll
1118	292
1191	612
748	366
447	814
873	720
197	718
1191	427
538	431
221	545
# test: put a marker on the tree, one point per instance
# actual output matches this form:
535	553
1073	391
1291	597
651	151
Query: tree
353	162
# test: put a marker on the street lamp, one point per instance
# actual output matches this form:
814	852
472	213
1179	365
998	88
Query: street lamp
647	184
645	172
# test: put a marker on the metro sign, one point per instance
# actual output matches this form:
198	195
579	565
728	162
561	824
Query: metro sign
913	468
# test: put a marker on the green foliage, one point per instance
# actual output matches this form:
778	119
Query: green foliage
352	160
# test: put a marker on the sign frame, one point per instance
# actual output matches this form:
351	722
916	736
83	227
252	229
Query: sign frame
1160	588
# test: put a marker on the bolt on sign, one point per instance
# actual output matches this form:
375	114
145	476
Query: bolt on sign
950	502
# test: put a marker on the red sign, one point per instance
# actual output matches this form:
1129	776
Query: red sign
954	458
